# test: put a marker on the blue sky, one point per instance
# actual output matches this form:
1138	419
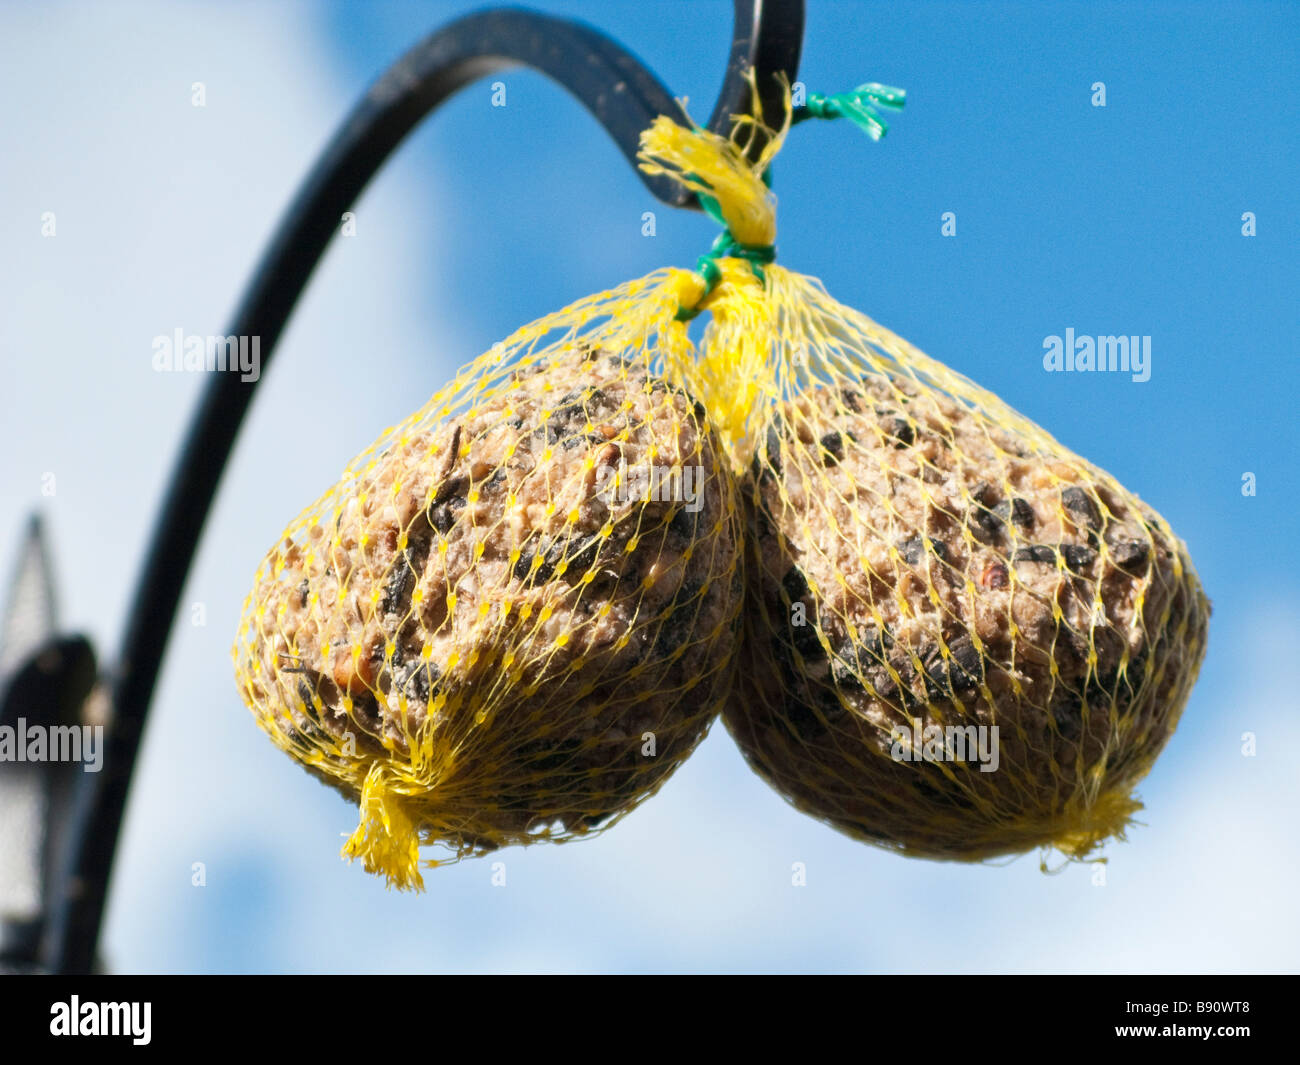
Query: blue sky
1124	219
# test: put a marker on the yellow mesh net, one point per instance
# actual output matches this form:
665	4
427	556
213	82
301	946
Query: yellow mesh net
961	640
516	613
520	609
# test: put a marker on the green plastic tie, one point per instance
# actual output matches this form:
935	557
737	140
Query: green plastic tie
858	106
725	246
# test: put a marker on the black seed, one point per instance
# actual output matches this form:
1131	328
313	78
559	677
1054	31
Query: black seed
1036	553
303	589
447	500
958	674
398	588
453	452
306	695
700	413
984	524
453	486
845	676
365	712
852	399
907	699
580	551
582	556
567	412
1077	501
545	571
795	584
864	660
913	550
1070	641
773	441
295	737
887	688
418	680
965	667
833	446
442	516
1078	557
1130	554
896	427
523	567
799	637
648	385
875	645
407	567
1016	510
679	618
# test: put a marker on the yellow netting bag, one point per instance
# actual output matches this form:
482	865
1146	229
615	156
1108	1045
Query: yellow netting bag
961	640
520	609
516	613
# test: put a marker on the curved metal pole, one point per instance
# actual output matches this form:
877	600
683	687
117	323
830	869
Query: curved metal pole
623	96
767	37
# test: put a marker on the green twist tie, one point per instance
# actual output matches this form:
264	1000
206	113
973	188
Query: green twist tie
725	246
858	106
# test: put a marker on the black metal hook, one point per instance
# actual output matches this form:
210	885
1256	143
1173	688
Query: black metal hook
615	87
